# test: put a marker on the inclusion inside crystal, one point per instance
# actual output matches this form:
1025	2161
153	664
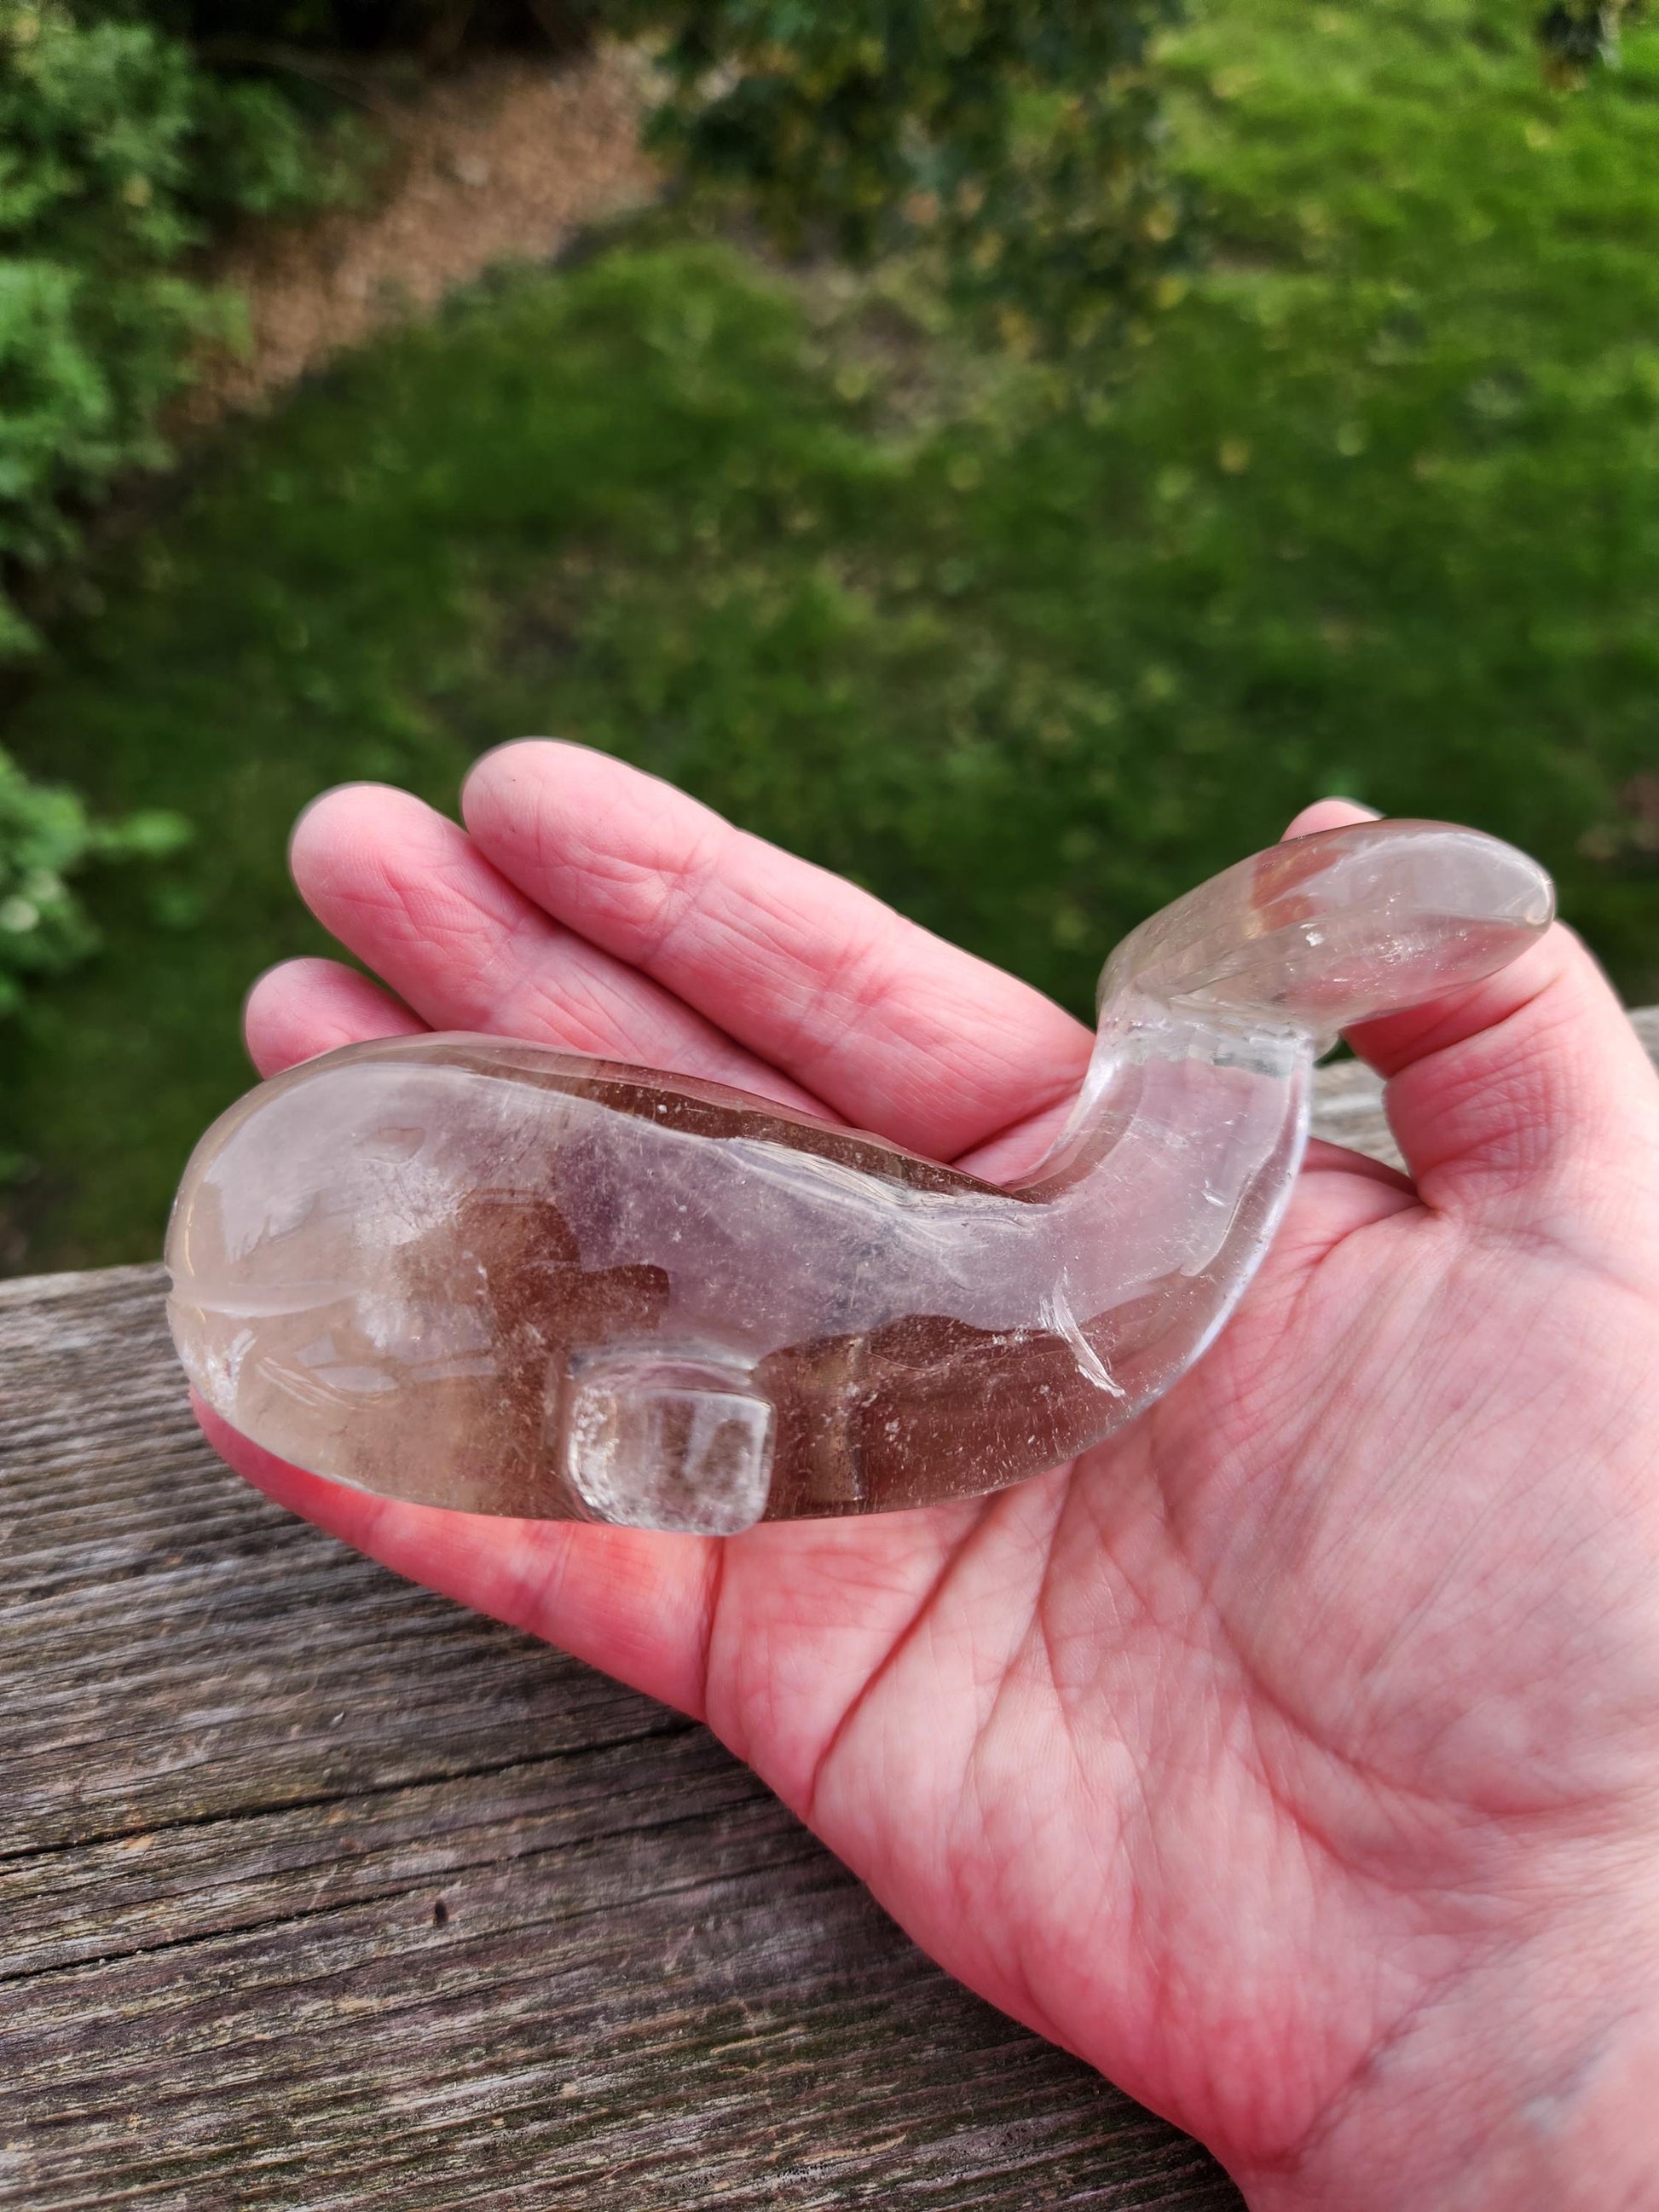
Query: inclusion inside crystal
484	1274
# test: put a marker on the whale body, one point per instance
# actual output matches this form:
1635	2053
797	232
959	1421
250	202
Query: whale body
484	1274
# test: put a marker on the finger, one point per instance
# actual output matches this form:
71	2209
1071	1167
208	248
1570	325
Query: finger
1526	1099
307	1006
1330	814
896	1030
636	1603
413	897
1323	1157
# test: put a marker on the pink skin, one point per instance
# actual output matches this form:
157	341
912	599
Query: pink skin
1294	1757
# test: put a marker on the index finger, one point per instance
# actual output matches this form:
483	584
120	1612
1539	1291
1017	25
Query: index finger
894	1028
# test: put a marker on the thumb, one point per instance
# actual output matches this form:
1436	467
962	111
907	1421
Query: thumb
1525	1100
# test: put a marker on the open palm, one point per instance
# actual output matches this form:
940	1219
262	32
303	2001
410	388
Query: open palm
1295	1756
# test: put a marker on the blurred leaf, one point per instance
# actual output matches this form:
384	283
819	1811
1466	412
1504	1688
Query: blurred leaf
45	836
1017	143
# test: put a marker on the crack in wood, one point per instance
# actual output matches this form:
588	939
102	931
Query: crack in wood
234	1817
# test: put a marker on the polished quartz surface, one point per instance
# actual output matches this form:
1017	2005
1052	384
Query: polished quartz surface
487	1275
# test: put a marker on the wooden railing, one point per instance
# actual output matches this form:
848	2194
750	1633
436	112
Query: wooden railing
316	1890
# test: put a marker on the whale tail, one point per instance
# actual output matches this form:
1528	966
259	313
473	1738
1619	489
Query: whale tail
1328	929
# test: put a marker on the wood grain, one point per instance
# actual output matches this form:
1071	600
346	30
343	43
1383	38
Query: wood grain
318	1891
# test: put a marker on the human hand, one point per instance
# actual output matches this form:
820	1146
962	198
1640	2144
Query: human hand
1294	1757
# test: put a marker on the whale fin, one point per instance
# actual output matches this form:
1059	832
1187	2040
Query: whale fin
1328	929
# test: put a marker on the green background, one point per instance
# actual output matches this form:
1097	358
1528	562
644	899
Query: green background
1373	508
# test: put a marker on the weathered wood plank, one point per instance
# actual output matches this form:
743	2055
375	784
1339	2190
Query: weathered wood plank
317	1892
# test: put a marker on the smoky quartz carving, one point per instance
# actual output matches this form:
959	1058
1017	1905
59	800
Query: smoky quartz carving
481	1274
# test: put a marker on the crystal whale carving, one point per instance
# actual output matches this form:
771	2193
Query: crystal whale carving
481	1274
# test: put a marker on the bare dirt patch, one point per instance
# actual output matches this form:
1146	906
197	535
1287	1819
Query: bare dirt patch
507	162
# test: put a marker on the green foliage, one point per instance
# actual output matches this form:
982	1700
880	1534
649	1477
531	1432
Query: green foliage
116	153
45	834
92	322
1373	511
257	151
1016	143
1017	140
1575	34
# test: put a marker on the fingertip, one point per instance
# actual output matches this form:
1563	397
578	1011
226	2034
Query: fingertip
320	811
493	755
1329	814
301	1008
349	822
498	775
512	793
1527	1096
265	1019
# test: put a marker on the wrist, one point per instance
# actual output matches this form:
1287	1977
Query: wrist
1530	2085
